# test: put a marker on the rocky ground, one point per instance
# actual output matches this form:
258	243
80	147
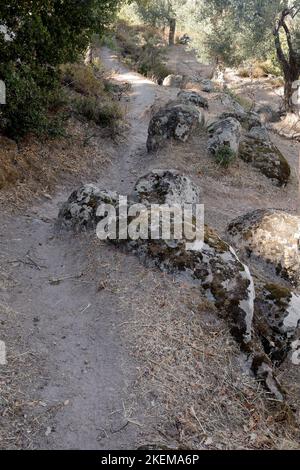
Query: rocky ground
114	353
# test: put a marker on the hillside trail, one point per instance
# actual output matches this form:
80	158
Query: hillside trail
53	284
68	293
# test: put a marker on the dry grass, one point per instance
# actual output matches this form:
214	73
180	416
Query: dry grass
22	416
190	383
35	167
83	79
95	115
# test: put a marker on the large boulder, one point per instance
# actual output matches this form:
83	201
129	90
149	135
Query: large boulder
258	150
192	97
270	236
173	81
175	121
166	187
224	133
79	212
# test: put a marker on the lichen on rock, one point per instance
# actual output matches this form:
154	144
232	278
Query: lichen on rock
224	133
257	149
192	97
277	320
166	187
79	211
174	121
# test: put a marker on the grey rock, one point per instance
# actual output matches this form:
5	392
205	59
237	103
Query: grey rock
206	85
277	320
79	212
247	119
166	187
175	121
192	97
173	81
224	133
268	114
258	150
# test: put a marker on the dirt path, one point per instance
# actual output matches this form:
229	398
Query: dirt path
85	310
70	329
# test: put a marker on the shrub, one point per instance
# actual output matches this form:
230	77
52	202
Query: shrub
244	73
29	96
82	79
43	36
224	156
142	47
259	71
103	113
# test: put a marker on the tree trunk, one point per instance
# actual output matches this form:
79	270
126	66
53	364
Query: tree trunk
289	61
172	31
291	90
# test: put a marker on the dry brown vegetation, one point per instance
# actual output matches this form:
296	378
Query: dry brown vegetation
94	113
193	389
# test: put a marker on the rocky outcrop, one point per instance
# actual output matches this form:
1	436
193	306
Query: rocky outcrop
265	325
79	212
175	121
166	187
174	81
258	150
224	133
191	97
270	236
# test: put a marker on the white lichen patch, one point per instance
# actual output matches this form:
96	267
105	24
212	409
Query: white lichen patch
291	321
295	357
247	305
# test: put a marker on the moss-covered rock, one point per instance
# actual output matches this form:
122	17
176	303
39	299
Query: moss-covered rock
258	150
79	212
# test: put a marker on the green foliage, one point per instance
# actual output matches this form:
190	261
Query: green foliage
103	113
224	156
40	36
156	13
27	98
143	49
242	30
